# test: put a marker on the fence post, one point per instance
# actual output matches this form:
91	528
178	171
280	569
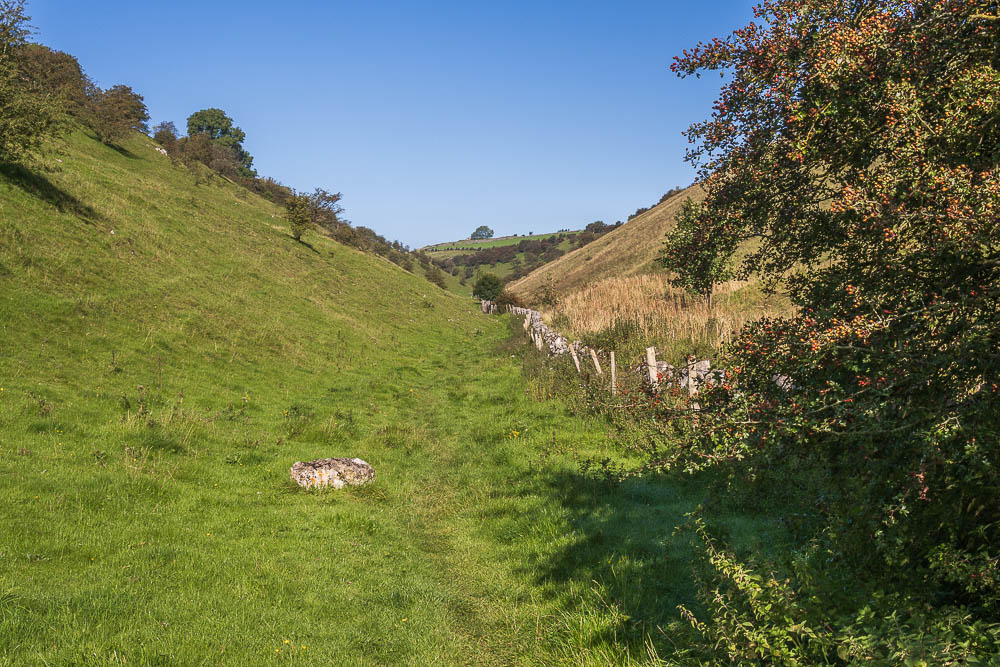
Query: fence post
597	364
691	390
654	381
613	373
527	321
538	341
576	359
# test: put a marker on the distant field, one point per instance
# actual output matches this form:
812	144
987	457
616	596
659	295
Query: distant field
473	245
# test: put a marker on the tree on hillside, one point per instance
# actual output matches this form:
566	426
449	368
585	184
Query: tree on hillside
487	287
482	232
115	112
165	134
28	113
298	210
56	73
220	129
698	265
325	208
854	156
322	208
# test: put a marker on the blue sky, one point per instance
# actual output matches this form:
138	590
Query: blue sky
431	117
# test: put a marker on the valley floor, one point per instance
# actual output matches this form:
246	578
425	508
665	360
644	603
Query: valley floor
177	537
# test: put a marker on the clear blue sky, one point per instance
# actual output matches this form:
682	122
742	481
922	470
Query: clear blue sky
431	117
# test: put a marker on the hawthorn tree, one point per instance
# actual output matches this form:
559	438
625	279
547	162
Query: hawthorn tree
488	287
299	212
222	131
854	151
482	232
28	113
115	112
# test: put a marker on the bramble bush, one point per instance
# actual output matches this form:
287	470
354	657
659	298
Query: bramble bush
855	147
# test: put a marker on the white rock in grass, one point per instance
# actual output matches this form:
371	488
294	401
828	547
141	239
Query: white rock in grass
337	473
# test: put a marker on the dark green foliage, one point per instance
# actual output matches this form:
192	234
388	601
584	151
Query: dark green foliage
54	72
487	287
695	258
28	112
855	152
436	276
482	232
115	112
222	132
165	134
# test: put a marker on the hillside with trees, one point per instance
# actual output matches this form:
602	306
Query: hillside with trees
508	257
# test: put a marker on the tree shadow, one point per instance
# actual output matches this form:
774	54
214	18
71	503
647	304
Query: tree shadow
625	547
305	243
621	546
123	151
37	185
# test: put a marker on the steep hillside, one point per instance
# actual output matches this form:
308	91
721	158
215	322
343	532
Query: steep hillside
628	250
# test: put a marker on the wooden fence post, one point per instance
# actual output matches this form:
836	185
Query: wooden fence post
538	341
691	390
654	380
527	321
576	359
597	364
613	370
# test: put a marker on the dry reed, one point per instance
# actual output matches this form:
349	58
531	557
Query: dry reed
663	313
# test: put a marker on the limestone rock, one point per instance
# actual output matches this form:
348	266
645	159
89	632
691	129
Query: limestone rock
337	473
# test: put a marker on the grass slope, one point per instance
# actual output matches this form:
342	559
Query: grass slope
167	351
466	246
628	250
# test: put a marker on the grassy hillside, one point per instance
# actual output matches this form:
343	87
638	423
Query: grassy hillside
612	294
509	258
167	351
472	245
628	250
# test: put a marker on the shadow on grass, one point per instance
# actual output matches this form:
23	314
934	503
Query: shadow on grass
305	243
124	152
37	185
625	550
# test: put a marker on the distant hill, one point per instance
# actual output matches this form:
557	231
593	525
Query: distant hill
507	257
627	250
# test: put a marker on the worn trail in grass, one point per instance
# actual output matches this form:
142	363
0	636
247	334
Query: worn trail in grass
157	383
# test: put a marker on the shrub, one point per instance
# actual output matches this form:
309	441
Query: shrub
297	209
508	298
487	287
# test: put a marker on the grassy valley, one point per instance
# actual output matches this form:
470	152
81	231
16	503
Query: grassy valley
168	351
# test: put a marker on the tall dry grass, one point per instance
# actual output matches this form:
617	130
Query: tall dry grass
661	315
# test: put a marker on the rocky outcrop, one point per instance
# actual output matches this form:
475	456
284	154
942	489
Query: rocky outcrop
337	473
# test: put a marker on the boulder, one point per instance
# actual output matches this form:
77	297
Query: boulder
332	472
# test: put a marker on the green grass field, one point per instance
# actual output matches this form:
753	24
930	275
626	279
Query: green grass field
157	382
466	246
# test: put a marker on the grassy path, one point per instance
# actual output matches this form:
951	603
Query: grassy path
184	547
